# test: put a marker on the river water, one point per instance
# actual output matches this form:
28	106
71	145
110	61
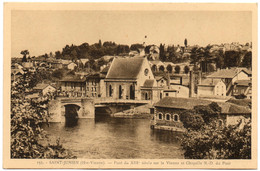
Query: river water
115	138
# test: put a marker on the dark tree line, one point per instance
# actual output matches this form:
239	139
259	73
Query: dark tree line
223	59
94	51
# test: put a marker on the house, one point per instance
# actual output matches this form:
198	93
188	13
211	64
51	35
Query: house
71	65
126	76
243	87
73	86
95	85
43	89
27	64
169	110
16	73
230	76
178	86
212	87
56	65
16	66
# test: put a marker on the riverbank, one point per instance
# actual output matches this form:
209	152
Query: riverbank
140	112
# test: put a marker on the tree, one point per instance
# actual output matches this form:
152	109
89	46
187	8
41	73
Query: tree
99	43
185	42
58	55
24	53
27	116
191	120
162	55
186	69
136	47
218	142
169	68
232	59
219	60
177	69
247	61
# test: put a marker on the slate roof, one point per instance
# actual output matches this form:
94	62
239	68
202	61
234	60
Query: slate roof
148	83
125	68
227	73
189	103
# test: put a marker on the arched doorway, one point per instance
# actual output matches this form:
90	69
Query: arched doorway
71	114
120	92
132	92
110	91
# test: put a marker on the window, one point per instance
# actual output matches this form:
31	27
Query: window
151	110
146	72
160	116
168	117
167	94
161	81
176	117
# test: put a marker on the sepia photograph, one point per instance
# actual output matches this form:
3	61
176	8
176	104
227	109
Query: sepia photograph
129	85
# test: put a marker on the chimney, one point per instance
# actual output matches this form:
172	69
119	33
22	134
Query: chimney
191	84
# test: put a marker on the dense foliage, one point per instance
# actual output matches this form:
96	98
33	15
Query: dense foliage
206	138
27	115
215	142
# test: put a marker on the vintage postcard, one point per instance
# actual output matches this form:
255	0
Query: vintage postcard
130	85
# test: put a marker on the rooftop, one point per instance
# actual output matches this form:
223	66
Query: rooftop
75	78
243	82
148	83
228	73
125	68
189	103
41	86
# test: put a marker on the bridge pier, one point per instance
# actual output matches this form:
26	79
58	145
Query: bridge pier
56	108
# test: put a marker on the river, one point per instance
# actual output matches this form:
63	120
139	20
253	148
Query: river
116	138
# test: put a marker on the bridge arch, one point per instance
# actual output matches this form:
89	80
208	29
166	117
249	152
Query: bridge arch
71	114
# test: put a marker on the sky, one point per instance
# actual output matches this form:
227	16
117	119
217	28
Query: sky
43	32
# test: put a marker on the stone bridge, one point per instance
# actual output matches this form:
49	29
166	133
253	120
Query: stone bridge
85	107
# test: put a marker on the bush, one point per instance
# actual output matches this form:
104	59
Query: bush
213	142
191	120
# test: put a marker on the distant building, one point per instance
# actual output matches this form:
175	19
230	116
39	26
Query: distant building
16	73
212	87
230	76
73	86
71	65
177	87
243	87
43	89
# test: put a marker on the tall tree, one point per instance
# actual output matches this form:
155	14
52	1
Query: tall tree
162	55
185	42
247	61
24	53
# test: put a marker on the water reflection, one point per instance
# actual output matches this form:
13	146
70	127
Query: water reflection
114	138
